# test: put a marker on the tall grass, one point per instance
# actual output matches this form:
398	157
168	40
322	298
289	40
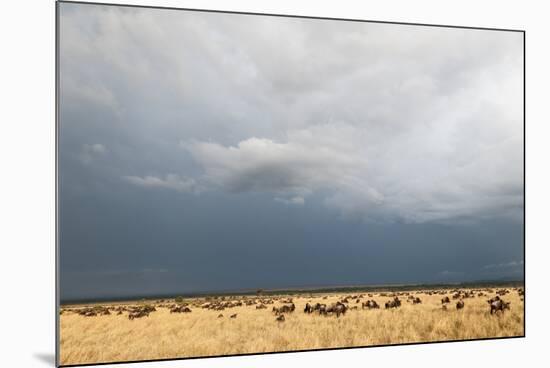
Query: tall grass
201	333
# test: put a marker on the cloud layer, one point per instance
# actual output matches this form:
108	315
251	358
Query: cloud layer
204	144
383	122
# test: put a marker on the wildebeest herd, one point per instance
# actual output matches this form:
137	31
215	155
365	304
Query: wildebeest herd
230	324
286	304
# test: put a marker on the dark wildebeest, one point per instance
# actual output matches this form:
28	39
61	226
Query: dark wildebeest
395	303
321	308
284	309
281	318
445	300
308	308
460	304
498	305
233	315
138	314
338	308
417	300
220	315
370	304
180	309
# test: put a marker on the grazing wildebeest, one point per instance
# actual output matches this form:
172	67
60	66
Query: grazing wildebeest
308	308
180	309
284	309
445	300
337	308
370	304
395	303
417	300
498	305
220	315
233	315
138	314
281	318
321	308
460	304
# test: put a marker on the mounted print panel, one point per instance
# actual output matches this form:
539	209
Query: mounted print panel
233	183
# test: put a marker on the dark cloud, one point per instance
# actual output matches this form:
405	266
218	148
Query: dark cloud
220	155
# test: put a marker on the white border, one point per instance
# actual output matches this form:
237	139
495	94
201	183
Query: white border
27	181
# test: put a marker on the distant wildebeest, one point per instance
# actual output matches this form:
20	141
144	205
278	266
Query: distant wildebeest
233	315
308	308
337	308
521	292
284	309
138	314
460	304
445	300
498	305
395	303
370	304
180	309
220	315
417	300
321	308
280	318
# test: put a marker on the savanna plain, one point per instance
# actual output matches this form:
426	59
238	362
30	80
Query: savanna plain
241	324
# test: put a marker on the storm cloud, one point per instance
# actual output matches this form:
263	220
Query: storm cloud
182	118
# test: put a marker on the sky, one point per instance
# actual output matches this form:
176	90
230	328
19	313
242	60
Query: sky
203	152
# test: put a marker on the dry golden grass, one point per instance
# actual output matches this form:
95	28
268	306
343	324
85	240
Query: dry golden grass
200	333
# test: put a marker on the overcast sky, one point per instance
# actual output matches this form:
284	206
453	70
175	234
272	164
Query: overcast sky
203	151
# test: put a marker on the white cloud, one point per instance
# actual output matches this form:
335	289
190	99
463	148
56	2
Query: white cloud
299	201
504	266
382	122
170	181
90	151
405	178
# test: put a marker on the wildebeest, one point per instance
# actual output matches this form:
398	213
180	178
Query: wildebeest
370	304
498	305
284	309
417	300
138	314
180	309
444	307
321	308
308	308
395	303
220	315
445	300
233	315
337	308
280	318
460	304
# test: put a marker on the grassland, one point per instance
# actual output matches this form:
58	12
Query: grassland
114	337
